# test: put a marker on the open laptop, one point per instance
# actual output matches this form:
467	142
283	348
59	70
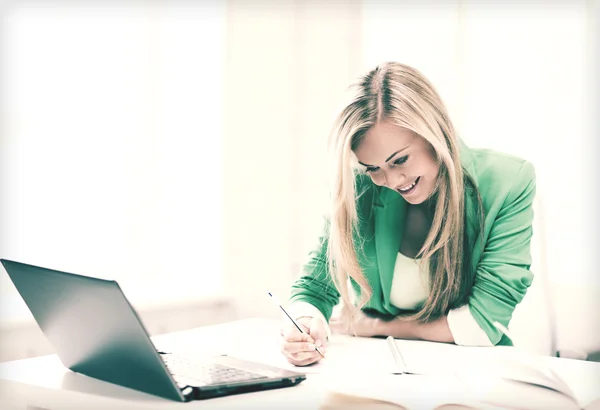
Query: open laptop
96	331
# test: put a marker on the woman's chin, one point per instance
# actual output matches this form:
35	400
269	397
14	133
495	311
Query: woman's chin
415	201
418	199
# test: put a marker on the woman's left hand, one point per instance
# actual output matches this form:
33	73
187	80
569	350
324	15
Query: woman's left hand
363	325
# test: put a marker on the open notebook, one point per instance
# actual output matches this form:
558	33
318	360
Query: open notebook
444	376
367	371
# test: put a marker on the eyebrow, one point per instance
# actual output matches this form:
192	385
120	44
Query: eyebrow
390	157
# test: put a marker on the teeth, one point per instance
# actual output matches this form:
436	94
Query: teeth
408	187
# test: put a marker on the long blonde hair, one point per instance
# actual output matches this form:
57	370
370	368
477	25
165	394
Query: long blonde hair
401	94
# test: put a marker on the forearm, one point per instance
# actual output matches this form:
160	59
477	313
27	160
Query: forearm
435	331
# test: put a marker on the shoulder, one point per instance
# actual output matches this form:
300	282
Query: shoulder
494	167
501	176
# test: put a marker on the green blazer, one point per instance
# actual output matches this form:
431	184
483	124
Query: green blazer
501	259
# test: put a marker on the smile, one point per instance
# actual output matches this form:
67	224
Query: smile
409	188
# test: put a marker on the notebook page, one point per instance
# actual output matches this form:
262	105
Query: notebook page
432	357
511	394
345	354
486	362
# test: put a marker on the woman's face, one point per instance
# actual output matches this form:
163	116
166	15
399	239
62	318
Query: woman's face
399	159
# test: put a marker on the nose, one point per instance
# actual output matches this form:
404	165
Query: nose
389	179
394	179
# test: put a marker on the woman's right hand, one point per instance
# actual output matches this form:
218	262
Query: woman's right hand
300	348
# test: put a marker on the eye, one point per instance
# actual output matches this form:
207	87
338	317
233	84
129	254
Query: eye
401	160
372	169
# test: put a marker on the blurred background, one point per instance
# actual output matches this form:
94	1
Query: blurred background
179	147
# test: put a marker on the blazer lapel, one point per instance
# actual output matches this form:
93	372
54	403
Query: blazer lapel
472	222
389	225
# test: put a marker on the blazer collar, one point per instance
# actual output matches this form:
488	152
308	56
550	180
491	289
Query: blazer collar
389	225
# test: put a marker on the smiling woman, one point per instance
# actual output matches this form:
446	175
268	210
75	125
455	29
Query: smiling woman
414	164
432	237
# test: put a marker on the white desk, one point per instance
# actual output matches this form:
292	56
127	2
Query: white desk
44	383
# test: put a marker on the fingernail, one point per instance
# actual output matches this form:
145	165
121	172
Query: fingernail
312	346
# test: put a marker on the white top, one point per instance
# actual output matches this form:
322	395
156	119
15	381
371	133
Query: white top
410	289
410	286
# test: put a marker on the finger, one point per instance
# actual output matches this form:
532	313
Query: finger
322	349
303	362
295	336
318	331
304	356
288	348
298	347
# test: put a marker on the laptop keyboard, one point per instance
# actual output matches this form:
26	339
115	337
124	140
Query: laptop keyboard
186	372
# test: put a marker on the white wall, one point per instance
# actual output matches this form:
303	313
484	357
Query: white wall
288	65
111	145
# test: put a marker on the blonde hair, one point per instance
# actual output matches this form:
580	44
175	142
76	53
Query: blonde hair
398	93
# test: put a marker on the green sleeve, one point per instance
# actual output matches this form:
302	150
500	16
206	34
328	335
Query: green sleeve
315	285
503	275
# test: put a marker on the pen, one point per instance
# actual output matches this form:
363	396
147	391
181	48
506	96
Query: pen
397	355
274	299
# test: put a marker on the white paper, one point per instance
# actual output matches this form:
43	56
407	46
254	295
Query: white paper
484	364
345	354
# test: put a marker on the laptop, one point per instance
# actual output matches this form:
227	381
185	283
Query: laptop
97	332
